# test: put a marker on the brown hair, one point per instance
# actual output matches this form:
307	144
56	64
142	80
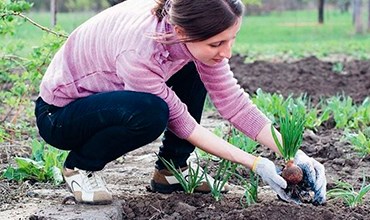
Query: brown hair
200	19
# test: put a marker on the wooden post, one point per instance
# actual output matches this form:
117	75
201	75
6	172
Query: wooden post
358	16
53	12
368	17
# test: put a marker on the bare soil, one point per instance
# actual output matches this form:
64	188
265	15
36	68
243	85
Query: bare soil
128	176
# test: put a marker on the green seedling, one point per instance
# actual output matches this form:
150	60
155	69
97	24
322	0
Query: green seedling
44	165
291	129
347	193
189	182
361	116
223	174
250	195
360	142
342	109
238	139
338	68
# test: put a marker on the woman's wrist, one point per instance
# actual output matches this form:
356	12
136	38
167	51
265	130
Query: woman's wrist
255	162
265	138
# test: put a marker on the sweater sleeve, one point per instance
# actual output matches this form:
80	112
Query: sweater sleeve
143	75
231	100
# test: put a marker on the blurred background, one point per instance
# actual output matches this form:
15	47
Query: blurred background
272	28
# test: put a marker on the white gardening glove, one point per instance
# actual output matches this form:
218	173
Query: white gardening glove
313	174
266	169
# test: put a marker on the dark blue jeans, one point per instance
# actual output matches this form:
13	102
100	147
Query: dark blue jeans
102	127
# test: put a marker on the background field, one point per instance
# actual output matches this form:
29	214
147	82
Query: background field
293	34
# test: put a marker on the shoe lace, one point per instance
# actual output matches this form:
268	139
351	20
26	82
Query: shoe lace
93	181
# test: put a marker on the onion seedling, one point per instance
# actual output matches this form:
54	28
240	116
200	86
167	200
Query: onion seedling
188	182
291	129
225	170
347	193
250	195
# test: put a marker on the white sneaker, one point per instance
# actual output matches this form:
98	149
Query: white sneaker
87	186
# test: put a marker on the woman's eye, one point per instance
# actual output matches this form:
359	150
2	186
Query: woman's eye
216	44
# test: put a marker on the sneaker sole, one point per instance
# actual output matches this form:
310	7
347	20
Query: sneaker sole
89	203
165	188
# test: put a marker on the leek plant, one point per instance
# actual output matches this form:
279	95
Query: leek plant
342	109
360	142
189	182
361	117
270	104
250	195
315	116
238	139
347	193
291	129
223	174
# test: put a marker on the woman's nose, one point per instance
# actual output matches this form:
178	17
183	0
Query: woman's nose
226	50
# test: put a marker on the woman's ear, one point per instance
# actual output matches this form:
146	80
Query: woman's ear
180	32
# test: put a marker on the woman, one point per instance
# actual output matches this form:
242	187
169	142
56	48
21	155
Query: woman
142	68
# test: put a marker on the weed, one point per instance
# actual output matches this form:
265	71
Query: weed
44	165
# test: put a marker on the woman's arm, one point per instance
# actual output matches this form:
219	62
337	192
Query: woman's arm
211	143
265	138
215	145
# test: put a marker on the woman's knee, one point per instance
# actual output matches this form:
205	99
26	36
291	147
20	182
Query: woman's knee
157	111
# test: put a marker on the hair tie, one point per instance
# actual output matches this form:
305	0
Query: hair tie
166	8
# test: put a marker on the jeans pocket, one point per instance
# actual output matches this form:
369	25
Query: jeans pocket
52	117
46	120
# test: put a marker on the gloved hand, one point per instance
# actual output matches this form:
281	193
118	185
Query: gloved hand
313	174
266	169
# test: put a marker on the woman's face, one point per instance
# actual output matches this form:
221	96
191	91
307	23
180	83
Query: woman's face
214	49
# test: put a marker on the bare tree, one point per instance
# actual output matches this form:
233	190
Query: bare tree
53	12
358	16
321	11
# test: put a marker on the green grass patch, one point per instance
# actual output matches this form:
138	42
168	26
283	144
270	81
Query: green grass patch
291	34
297	34
31	35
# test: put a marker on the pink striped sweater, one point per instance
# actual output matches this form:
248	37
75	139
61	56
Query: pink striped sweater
112	51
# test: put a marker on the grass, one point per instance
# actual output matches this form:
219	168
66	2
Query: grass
292	34
297	34
32	36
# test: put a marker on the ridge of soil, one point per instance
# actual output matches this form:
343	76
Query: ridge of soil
128	176
310	75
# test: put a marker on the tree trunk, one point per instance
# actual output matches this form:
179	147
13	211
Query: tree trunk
321	11
368	17
53	12
358	16
344	6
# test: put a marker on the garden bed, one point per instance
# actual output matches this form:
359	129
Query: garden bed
128	177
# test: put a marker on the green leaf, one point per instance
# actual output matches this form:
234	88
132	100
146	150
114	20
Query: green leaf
291	129
37	150
12	173
277	142
56	175
26	163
